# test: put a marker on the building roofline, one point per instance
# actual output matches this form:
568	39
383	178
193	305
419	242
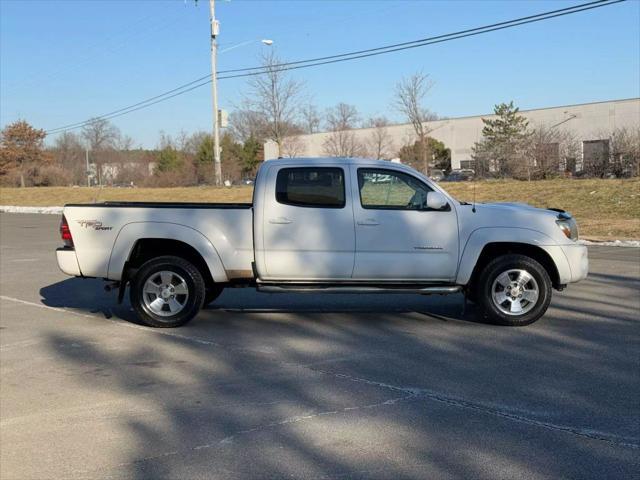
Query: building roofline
549	108
488	114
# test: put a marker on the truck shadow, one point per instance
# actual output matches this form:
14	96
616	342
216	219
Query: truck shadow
247	394
88	295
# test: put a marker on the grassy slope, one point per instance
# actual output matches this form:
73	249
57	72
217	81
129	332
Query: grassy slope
604	208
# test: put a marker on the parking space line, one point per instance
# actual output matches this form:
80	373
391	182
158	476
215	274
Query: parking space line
501	411
157	331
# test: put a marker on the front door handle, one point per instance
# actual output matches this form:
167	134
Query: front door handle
372	222
280	221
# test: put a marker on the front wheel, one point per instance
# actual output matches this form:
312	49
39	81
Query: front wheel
514	290
167	292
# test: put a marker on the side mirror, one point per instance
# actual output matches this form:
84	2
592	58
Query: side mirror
436	201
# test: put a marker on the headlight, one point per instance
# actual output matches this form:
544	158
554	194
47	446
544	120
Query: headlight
569	227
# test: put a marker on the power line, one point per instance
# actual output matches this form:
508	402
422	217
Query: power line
252	71
418	43
375	52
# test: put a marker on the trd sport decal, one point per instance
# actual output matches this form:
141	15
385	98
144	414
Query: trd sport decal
95	224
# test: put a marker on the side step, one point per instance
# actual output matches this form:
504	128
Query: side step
293	288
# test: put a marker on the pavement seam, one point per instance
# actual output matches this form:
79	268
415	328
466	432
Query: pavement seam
411	391
419	392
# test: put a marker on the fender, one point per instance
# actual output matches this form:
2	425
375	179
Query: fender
485	235
130	233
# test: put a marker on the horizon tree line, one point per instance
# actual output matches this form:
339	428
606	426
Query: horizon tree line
276	107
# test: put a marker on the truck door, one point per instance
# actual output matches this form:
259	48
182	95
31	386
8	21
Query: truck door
397	237
307	224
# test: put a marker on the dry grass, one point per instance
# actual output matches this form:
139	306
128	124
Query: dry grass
603	208
48	196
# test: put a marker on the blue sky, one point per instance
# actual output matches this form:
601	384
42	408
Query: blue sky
65	61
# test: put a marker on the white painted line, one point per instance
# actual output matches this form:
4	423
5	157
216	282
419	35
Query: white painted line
497	410
19	209
124	323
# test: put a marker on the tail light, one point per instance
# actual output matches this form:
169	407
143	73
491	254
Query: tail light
65	233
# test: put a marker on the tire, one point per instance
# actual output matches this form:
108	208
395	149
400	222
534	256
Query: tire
212	293
521	283
167	292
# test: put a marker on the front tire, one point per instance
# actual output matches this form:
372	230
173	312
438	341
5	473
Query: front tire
513	290
167	292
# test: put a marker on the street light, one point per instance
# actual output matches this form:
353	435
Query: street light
242	44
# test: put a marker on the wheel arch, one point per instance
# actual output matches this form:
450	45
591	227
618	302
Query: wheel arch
487	242
495	249
139	242
146	249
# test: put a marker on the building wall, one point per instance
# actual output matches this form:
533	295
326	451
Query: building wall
589	121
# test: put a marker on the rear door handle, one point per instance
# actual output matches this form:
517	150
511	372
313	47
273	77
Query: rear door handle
280	221
369	222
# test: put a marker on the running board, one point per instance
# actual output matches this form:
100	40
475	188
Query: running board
443	290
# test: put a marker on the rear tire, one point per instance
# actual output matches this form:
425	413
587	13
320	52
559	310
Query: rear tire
167	292
513	290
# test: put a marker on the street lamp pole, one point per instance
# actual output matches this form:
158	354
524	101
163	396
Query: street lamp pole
215	30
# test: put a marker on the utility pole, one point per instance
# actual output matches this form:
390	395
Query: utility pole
215	30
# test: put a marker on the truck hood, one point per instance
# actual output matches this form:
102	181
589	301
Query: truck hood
514	208
512	215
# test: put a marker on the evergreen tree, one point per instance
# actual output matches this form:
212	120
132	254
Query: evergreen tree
501	149
169	159
251	155
413	155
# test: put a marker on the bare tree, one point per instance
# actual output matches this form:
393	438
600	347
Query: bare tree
124	143
379	144
625	152
292	146
245	124
341	141
548	151
274	97
100	134
69	155
310	118
409	98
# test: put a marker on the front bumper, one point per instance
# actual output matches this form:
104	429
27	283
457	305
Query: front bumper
68	262
578	259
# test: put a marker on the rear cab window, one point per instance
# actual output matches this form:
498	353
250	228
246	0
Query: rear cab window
319	187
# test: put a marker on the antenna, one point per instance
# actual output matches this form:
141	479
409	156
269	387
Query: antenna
473	205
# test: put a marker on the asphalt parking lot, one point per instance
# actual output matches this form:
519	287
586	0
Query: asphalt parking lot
339	386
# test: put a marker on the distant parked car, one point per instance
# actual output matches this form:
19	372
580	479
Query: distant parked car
459	176
246	181
436	175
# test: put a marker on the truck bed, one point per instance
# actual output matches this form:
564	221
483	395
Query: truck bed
107	232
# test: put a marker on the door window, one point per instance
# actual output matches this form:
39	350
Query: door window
320	187
391	190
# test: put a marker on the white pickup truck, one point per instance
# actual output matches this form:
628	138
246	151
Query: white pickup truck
326	225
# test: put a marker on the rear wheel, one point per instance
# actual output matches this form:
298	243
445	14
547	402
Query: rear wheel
513	290
167	292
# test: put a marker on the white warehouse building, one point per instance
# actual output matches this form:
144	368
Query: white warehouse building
590	122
